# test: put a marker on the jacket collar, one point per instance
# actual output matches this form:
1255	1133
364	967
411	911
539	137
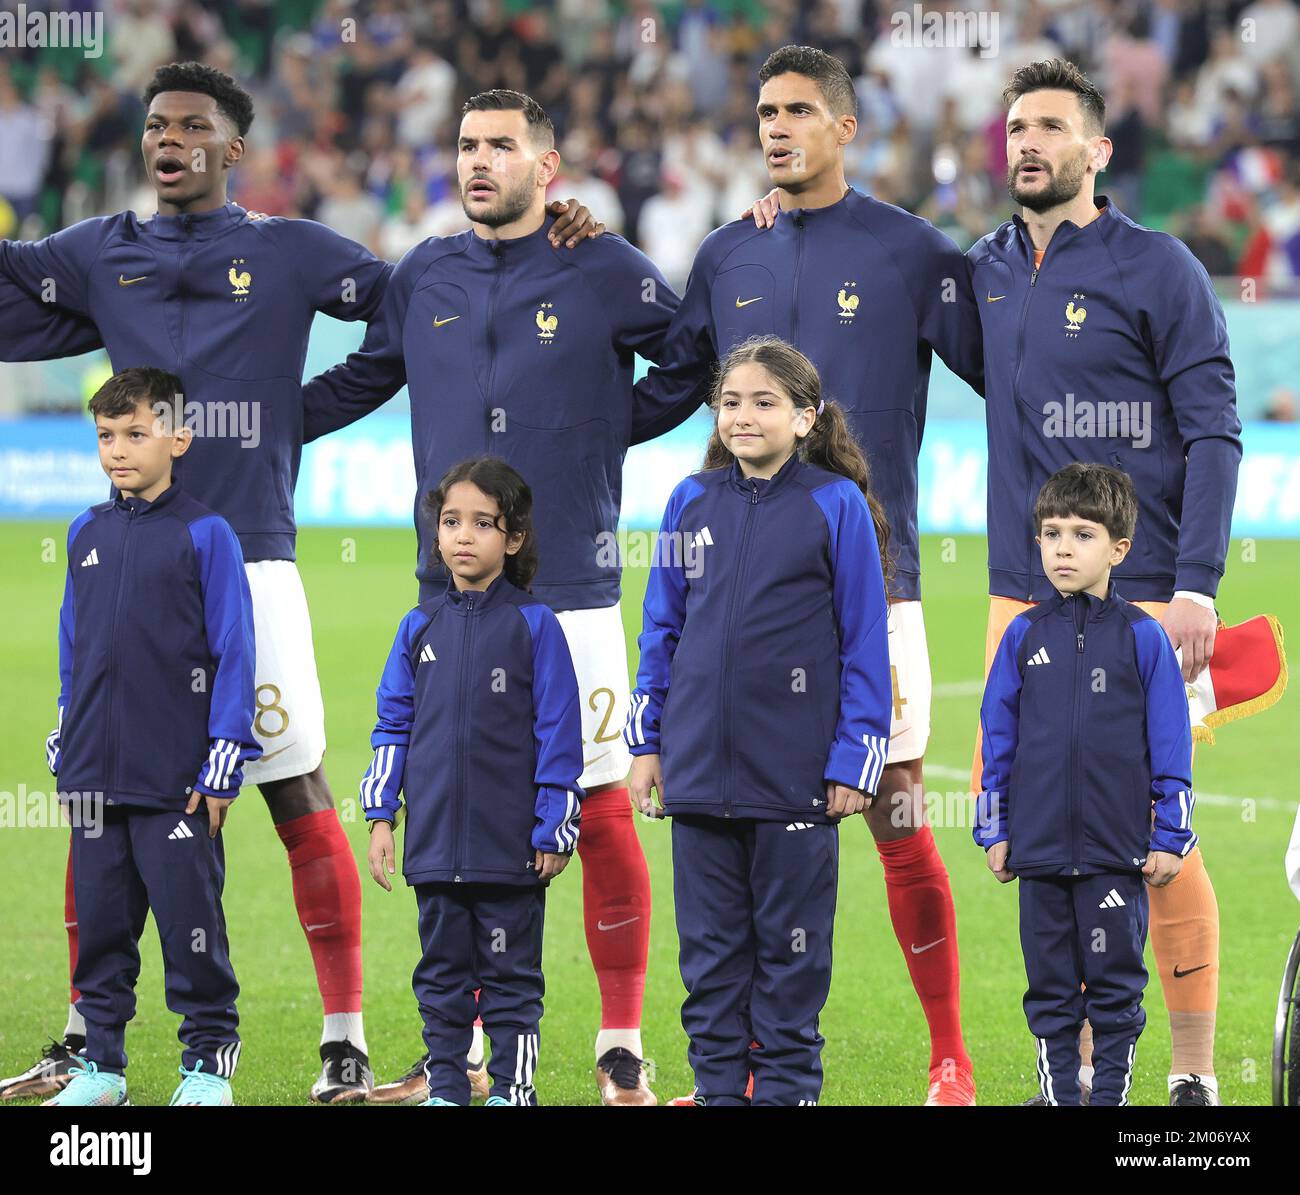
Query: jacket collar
141	506
462	601
514	249
815	215
1068	230
1097	607
763	486
196	226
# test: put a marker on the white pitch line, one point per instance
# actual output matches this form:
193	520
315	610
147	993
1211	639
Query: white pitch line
1270	803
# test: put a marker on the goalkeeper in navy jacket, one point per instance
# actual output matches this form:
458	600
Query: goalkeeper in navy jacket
764	685
155	718
493	811
1087	784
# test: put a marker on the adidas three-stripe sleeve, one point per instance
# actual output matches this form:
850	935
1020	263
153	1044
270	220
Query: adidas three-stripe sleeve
1000	731
1169	739
395	706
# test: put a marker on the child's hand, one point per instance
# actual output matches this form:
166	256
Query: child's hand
1161	867
548	866
841	801
382	855
645	775
997	861
217	807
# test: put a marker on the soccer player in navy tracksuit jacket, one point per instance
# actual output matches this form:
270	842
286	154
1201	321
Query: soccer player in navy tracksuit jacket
764	688
1086	729
493	812
155	718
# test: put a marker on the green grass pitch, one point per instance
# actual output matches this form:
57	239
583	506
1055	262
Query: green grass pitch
876	1043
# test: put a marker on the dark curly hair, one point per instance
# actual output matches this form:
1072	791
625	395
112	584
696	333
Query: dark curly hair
504	485
234	103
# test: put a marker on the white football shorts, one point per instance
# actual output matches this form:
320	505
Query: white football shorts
599	652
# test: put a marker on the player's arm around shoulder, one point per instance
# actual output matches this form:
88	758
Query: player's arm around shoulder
228	627
1169	746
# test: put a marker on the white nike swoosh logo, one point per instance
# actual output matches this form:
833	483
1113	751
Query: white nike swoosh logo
929	946
618	924
322	925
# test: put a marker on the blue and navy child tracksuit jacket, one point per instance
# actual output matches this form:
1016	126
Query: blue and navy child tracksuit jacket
1118	321
764	653
1085	727
868	292
517	349
224	302
156	654
479	724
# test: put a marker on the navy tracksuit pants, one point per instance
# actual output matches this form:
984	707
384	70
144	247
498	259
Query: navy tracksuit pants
485	936
755	905
141	861
1084	930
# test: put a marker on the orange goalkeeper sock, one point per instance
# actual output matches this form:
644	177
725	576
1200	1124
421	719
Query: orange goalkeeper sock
1185	939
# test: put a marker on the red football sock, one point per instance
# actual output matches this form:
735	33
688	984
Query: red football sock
615	905
920	906
70	924
327	893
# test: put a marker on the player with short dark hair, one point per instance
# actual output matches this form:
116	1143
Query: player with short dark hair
869	293
1104	341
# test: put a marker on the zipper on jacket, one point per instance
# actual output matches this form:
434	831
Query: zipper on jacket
1015	402
462	700
1076	812
492	340
729	782
798	258
113	703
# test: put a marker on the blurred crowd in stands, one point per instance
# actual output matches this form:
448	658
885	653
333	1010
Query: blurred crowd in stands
358	104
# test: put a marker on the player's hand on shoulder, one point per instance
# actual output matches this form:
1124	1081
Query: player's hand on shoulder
764	210
382	855
573	223
996	858
647	774
842	801
547	865
1161	868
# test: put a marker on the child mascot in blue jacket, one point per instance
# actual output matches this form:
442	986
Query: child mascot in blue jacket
761	715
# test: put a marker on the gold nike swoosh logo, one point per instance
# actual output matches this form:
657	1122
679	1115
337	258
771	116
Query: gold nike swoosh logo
273	754
746	302
991	298
586	763
122	280
437	323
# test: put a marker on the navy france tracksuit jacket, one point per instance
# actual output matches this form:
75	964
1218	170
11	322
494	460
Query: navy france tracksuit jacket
479	723
1115	350
1086	734
764	674
868	292
156	702
226	304
520	350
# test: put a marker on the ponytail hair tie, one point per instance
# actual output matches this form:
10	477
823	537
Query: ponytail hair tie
821	406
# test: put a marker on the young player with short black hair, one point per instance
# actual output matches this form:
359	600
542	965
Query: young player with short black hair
155	720
492	815
761	715
1086	735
